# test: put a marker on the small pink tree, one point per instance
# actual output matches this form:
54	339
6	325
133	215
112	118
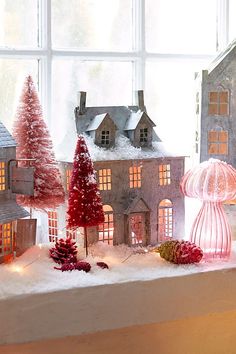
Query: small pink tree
34	142
84	203
213	182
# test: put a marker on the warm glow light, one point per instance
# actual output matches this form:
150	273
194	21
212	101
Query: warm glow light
17	269
40	245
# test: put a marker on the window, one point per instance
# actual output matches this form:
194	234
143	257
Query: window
164	175
165	220
72	234
106	230
2	176
218	103
104	176
217	142
68	178
124	43
135	176
52	225
6	239
105	138
143	135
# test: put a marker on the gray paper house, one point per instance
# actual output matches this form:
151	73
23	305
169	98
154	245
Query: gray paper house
216	109
16	234
137	178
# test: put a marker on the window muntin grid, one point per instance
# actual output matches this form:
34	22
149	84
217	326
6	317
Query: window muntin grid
52	225
104	179
143	135
2	176
135	175
218	103
164	174
105	138
218	142
6	239
165	220
68	178
106	229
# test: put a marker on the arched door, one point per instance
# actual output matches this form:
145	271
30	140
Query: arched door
165	220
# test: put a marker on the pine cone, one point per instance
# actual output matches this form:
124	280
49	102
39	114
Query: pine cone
180	252
64	251
85	266
102	265
66	266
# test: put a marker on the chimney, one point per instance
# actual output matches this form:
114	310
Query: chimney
82	102
140	100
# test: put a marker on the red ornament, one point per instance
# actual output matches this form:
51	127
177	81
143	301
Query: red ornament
84	203
85	266
64	251
34	142
66	267
102	265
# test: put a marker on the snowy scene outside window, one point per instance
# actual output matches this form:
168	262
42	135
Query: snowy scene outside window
2	176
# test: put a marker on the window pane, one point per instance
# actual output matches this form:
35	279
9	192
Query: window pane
181	26
97	25
12	76
19	23
170	101
106	83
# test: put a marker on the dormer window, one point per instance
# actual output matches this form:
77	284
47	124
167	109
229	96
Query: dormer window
105	138
143	135
218	103
2	176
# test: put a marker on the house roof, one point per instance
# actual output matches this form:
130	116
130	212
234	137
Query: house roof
135	118
96	121
10	210
228	52
121	115
6	139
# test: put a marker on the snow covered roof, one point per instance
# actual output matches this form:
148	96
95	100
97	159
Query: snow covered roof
6	140
96	121
10	210
229	51
121	115
135	118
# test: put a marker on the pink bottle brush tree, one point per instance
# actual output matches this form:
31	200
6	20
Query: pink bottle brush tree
213	182
84	203
34	142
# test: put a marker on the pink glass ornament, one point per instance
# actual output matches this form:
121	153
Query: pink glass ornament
213	182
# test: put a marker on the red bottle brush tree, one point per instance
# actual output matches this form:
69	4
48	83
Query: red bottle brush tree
84	203
34	142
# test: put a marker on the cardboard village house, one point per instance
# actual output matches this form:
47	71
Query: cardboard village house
216	115
138	180
16	234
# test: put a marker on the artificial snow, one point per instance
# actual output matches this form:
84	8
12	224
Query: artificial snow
34	271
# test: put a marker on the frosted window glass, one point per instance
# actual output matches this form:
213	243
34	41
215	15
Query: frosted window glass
106	84
92	24
170	100
12	76
232	22
19	23
181	26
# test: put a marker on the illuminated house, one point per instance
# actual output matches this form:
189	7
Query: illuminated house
16	234
216	109
138	180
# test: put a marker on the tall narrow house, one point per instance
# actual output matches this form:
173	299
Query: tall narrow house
16	234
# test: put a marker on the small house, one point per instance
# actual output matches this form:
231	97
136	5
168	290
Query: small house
138	180
16	233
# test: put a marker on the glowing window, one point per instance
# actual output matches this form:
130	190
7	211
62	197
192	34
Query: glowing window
165	220
71	233
135	176
52	225
164	175
218	103
2	176
105	138
143	135
106	230
68	178
137	229
217	142
104	176
6	239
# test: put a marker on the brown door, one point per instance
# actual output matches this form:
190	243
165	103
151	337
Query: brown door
137	229
25	235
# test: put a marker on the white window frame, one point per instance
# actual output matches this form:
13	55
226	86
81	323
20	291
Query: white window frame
138	56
